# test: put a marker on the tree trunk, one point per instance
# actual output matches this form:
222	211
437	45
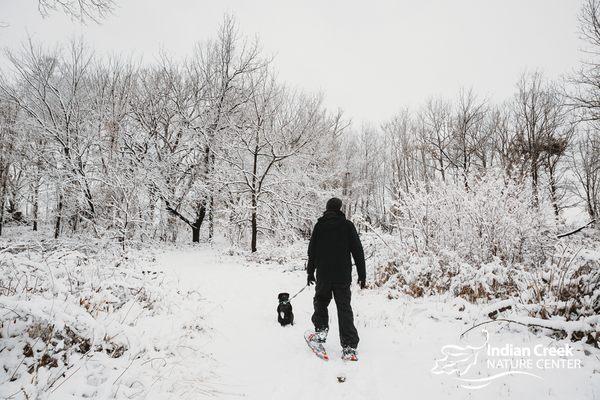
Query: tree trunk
211	225
58	217
198	224
35	213
441	158
195	225
534	180
3	192
36	197
195	234
1	211
553	191
253	225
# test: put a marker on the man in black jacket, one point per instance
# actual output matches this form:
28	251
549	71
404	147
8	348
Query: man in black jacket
333	240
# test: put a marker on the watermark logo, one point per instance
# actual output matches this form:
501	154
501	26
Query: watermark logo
500	361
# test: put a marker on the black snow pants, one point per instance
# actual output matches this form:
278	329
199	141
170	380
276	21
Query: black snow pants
341	293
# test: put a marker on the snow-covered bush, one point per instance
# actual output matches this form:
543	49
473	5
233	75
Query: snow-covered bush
505	253
489	217
419	275
568	284
84	319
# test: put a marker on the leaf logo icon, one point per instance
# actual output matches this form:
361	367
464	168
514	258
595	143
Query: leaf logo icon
458	360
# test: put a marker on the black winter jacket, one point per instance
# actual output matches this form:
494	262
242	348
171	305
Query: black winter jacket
333	239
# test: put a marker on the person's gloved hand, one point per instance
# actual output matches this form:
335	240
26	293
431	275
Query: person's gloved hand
310	279
362	283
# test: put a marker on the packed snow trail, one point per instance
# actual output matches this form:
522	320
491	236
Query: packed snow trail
258	359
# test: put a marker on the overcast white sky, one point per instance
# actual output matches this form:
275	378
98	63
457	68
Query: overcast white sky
368	57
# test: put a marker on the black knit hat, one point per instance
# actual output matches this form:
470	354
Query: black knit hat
334	204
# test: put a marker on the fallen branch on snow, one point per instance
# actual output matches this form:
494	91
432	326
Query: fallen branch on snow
576	230
529	325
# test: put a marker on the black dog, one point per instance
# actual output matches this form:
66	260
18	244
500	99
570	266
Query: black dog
285	316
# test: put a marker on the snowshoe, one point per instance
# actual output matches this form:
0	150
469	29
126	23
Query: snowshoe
315	344
349	354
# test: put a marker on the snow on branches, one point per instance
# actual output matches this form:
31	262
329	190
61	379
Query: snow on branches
498	219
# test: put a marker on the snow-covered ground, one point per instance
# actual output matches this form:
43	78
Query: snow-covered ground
196	321
401	339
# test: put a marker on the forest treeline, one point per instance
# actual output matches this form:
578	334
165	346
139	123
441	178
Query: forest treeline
217	144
